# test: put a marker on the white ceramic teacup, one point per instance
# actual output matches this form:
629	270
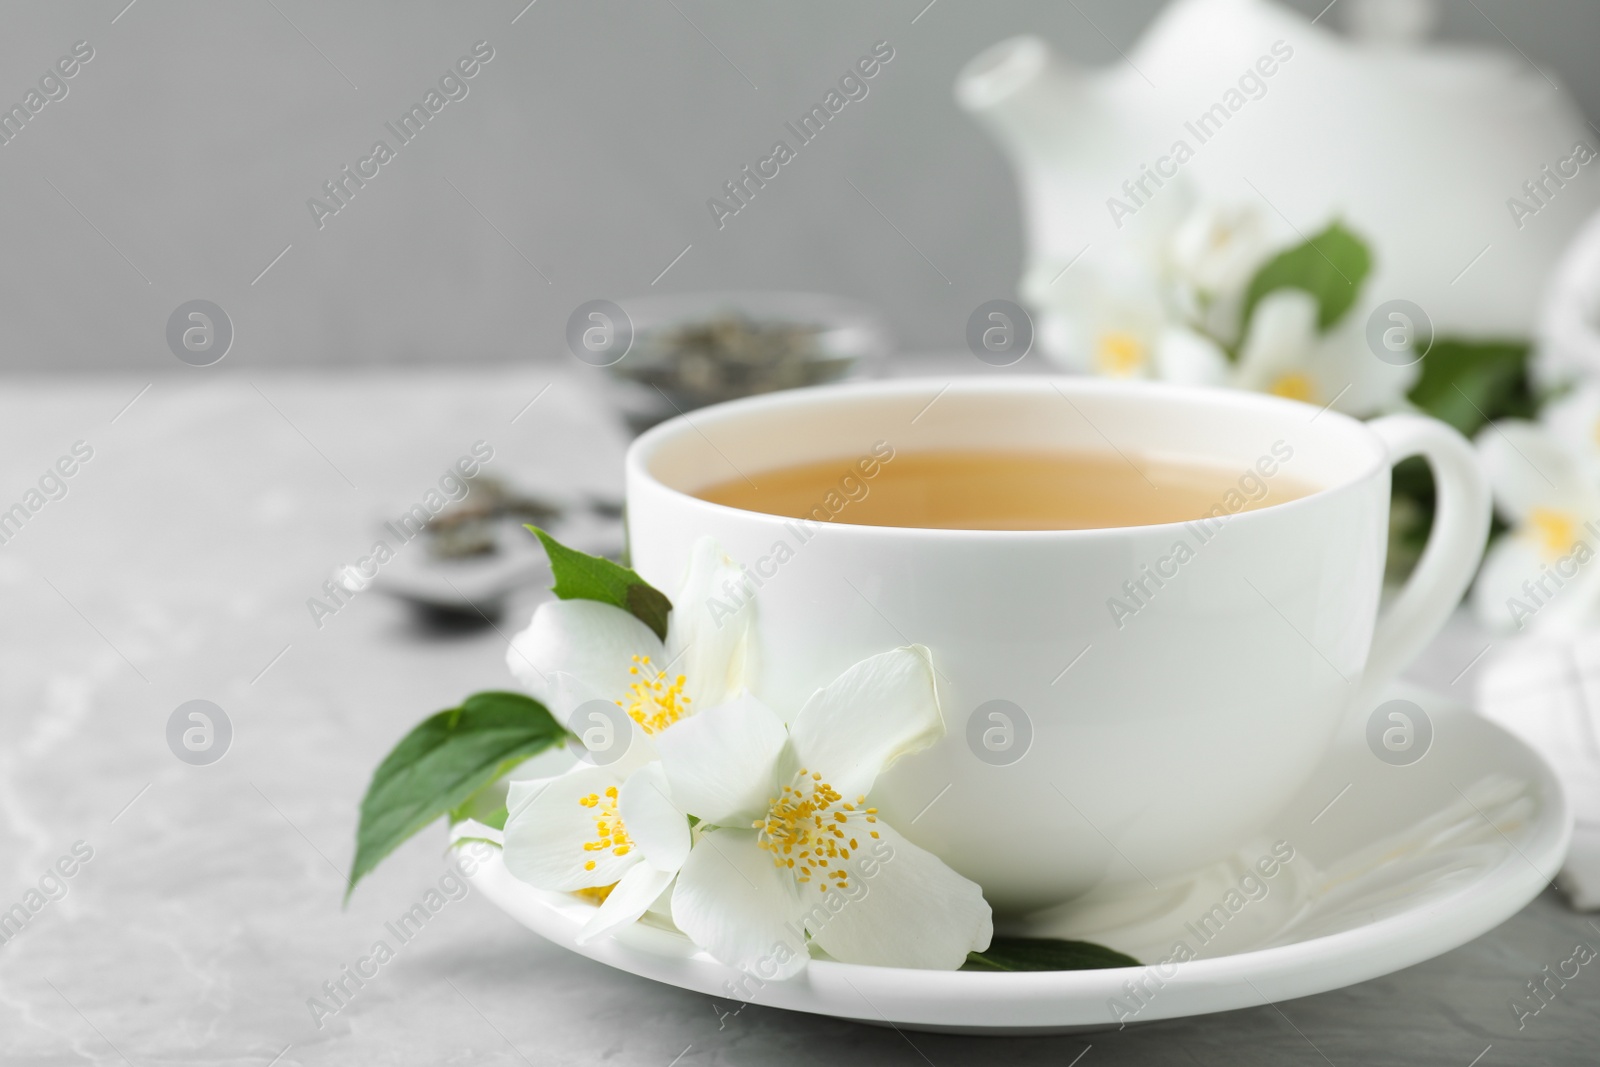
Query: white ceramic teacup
1086	743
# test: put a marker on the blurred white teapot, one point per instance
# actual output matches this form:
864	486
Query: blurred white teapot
1466	170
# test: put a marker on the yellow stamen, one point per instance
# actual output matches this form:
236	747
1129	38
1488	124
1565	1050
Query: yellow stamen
803	824
653	702
1555	531
595	895
1294	386
609	833
1119	354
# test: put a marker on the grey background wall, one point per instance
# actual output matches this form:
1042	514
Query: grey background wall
179	164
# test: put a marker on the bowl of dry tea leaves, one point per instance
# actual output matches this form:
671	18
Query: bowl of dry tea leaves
692	350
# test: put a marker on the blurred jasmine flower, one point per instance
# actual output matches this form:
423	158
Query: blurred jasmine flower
1281	351
1107	319
1166	305
1545	477
1219	246
1569	322
1105	310
1284	355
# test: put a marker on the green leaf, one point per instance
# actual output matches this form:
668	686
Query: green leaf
1045	954
650	606
1330	266
487	805
496	818
483	840
1471	383
441	763
1467	384
580	576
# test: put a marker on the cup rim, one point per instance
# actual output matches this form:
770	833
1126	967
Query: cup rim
637	460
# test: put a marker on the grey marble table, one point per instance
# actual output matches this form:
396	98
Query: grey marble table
177	567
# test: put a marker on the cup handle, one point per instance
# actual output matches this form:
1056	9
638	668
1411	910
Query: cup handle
1455	544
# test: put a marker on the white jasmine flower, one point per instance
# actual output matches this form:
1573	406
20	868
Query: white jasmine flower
1212	256
1545	477
619	841
787	846
1216	250
1279	347
1106	319
575	651
1186	357
1569	321
1284	355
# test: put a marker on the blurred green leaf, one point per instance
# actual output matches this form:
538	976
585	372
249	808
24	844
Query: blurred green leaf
1472	383
1330	266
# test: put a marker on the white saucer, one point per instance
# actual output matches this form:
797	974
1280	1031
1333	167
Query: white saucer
1392	865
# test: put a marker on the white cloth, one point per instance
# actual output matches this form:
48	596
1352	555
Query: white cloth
1546	691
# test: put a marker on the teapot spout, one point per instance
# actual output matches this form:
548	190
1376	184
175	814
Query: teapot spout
1023	94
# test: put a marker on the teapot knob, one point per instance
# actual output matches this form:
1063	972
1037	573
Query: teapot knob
1391	22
